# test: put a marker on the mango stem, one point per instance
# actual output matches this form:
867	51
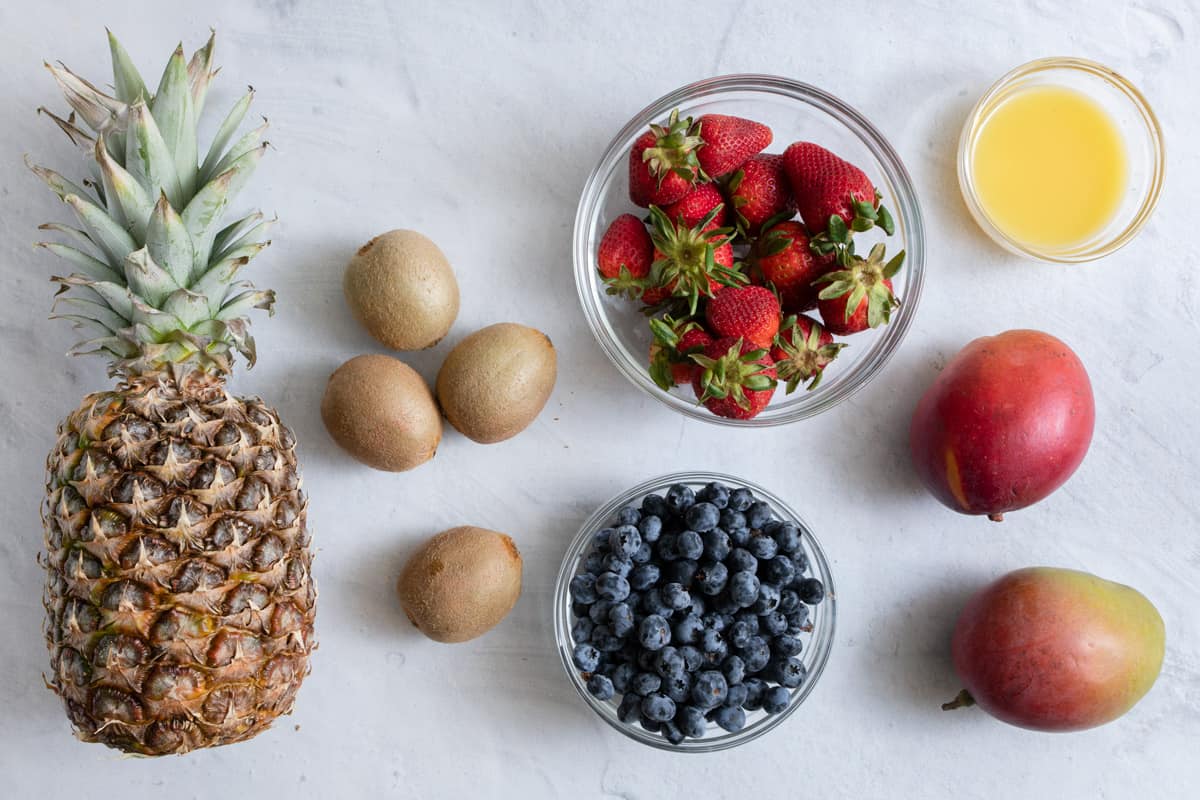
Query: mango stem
961	700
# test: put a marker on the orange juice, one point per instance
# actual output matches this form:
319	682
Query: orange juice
1049	167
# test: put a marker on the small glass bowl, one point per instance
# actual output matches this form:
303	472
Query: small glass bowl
1136	122
795	111
817	644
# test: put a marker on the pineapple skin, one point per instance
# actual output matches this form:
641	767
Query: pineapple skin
179	596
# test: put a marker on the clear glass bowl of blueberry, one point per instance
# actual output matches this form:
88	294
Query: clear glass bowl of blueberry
694	612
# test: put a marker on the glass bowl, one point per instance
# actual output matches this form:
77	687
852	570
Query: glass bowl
817	643
795	111
1133	117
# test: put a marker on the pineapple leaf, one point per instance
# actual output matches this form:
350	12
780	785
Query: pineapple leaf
245	144
127	81
127	199
187	306
90	326
168	242
147	157
240	304
77	235
224	134
90	309
224	246
114	345
220	275
200	73
90	265
146	318
57	183
203	213
80	138
98	110
147	279
176	119
114	295
114	240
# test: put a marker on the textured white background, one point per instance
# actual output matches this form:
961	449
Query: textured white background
477	125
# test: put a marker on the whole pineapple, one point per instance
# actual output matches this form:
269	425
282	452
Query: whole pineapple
179	597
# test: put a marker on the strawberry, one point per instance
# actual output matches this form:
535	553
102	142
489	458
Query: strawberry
696	205
859	296
625	255
729	142
759	191
801	352
662	162
733	379
745	312
690	262
673	343
826	186
782	257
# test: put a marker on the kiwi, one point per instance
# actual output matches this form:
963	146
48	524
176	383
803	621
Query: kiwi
496	381
461	583
401	288
382	413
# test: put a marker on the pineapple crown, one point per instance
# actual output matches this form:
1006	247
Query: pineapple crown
153	285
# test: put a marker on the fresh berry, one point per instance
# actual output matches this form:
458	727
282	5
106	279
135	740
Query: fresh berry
691	721
776	699
826	186
601	687
730	718
811	591
734	380
690	262
710	689
859	296
625	255
802	351
758	192
696	205
662	162
658	707
729	142
783	258
654	633
673	342
586	657
745	312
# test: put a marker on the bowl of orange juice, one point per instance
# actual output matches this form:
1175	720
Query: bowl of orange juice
1061	160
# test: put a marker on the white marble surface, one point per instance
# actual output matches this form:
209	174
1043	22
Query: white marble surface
477	125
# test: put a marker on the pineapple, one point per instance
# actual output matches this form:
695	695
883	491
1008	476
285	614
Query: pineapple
179	598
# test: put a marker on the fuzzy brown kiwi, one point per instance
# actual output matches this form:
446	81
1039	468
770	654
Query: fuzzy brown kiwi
401	288
461	583
496	381
382	413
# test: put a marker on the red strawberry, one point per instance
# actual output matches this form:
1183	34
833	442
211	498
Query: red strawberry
696	205
733	379
662	162
801	352
759	191
625	255
783	258
746	312
673	343
826	186
729	142
859	296
690	262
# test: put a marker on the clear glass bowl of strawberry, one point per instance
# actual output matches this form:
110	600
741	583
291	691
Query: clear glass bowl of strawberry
794	112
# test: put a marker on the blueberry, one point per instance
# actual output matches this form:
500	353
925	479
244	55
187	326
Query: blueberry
658	707
768	599
789	601
762	547
698	606
712	577
678	688
620	619
605	640
798	620
737	694
601	687
650	528
654	633
758	514
580	609
715	493
702	517
730	718
740	633
693	659
690	545
682	571
667	546
686	630
800	563
600	539
756	654
644	576
709	689
593	564
779	571
773	623
711	641
775	699
743	588
691	722
653	505
724	604
652	603
756	688
787	646
585	656
714	621
740	560
645	683
625	540
630	709
622	676
616	564
654	726
740	499
811	591
734	670
787	536
680	497
644	554
628	516
668	663
716	544
611	586
645	660
581	630
583	588
733	520
598	613
789	672
671	733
